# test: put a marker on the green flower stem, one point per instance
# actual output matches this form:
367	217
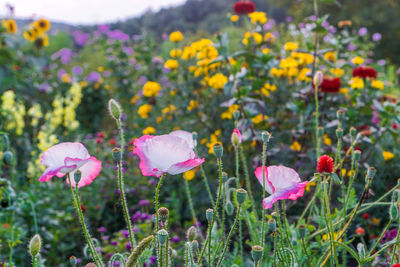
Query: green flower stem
237	164
161	259
215	211
316	192
34	261
397	240
328	218
209	249
189	196
380	238
223	209
247	176
229	236
264	157
317	139
286	226
167	251
306	252
156	202
205	179
125	205
11	242
77	204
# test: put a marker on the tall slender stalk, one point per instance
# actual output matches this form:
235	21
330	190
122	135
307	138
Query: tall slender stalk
157	204
264	157
247	177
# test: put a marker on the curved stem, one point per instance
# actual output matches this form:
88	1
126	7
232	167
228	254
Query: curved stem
305	251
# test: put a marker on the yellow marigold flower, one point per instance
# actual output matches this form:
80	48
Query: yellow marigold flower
265	50
193	104
149	130
357	60
378	84
308	186
304	75
337	72
65	78
151	88
159	119
258	17
288	62
387	155
295	146
171	64
144	111
275	72
259	118
218	81
327	140
269	37
344	91
10	25
176	52
290	46
189	175
176	36
335	236
356	83
42	24
228	115
256	37
375	221
188	53
330	56
234	18
134	99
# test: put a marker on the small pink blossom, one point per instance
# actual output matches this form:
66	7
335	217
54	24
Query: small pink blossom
281	183
170	153
238	134
69	157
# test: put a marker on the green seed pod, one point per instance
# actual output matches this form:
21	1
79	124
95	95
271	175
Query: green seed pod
340	114
353	131
191	233
272	225
8	158
77	176
195	245
224	177
236	115
393	211
162	236
138	251
339	133
256	252
371	172
302	230
265	136
218	150
163	214
115	109
229	208
235	139
357	154
209	215
35	245
116	154
241	195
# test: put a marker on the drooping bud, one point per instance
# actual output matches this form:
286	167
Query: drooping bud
318	77
224	177
115	109
241	195
138	251
236	138
265	136
209	215
229	208
218	150
35	245
162	236
191	233
302	230
256	252
236	115
339	133
393	212
116	154
272	225
163	214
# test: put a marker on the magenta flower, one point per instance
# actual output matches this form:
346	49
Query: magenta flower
69	157
281	183
170	153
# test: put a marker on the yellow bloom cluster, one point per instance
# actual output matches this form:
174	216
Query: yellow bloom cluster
378	84
212	141
357	60
149	130
218	81
259	118
171	64
176	52
356	83
36	113
72	101
258	17
254	37
337	72
169	111
193	104
10	25
267	89
151	89
387	155
290	46
295	146
228	115
176	36
330	56
13	111
144	111
37	32
294	66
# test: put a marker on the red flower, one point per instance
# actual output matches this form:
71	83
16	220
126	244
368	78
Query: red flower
101	135
360	231
365	216
325	164
330	85
99	140
83	208
244	7
364	72
112	142
396	265
395	126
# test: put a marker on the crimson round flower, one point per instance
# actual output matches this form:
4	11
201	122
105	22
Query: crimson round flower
330	84
365	216
244	7
360	231
365	72
325	164
396	265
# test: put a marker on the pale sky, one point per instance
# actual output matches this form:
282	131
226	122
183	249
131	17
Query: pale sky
84	11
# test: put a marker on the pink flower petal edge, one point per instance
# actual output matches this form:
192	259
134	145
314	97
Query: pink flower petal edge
144	164
292	193
185	166
90	169
269	187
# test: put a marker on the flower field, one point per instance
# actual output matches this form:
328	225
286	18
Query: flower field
265	144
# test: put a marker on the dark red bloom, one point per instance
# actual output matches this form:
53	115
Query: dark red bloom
365	216
396	265
325	164
365	72
112	142
355	148
99	140
244	7
395	126
330	85
83	208
101	135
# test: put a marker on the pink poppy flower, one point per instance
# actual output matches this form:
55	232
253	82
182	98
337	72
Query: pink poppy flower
172	153
281	183
69	157
188	137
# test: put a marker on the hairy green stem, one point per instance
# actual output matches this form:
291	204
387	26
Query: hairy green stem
263	218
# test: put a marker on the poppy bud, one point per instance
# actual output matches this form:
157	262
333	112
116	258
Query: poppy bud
241	195
256	252
371	173
318	79
339	133
35	245
302	231
357	154
224	177
163	214
340	114
77	176
162	236
195	245
115	109
229	208
191	233
209	215
353	131
116	154
265	136
320	131
218	150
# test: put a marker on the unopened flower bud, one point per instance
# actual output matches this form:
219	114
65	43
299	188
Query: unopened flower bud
361	250
115	109
265	136
35	245
191	233
393	211
302	230
340	114
163	214
235	139
77	176
371	173
339	133
272	225
209	215
318	77
224	177
162	236
73	260
116	154
236	115
357	154
8	157
229	208
256	252
241	195
218	150
353	131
